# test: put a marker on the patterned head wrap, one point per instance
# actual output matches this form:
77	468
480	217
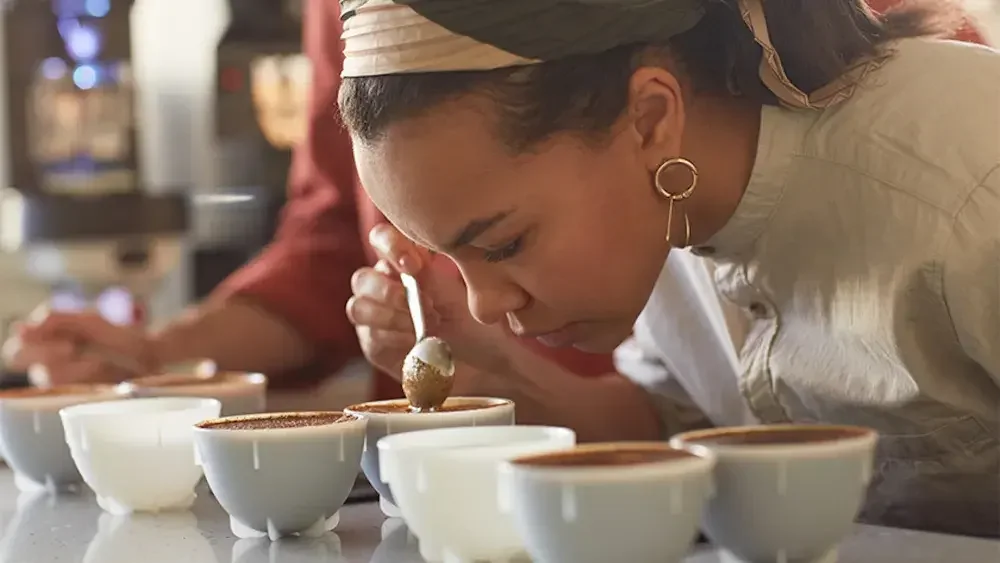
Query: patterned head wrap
404	36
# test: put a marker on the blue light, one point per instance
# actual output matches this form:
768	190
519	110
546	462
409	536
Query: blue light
82	41
53	68
97	8
85	77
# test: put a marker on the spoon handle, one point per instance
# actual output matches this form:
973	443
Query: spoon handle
416	307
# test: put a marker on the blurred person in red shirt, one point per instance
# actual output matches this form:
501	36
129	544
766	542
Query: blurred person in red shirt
284	313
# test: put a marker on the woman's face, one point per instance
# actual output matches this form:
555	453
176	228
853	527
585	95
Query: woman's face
564	243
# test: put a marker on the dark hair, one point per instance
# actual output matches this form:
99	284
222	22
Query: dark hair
817	40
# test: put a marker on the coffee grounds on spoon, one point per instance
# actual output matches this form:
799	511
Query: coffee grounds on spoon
424	385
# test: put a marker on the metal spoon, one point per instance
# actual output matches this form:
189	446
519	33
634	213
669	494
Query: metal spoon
429	369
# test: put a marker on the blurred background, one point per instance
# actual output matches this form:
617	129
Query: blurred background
208	73
144	147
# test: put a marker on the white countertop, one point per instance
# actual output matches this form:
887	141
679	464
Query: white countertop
72	529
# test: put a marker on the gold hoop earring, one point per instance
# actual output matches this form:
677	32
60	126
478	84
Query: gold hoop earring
673	198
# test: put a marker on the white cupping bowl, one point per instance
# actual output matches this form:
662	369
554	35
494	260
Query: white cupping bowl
32	436
394	417
138	454
281	481
445	484
600	503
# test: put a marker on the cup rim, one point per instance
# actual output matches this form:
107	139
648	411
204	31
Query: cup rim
42	403
206	426
859	436
494	403
699	459
36	398
404	441
414	449
71	390
99	409
195	381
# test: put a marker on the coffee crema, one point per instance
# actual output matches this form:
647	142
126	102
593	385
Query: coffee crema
61	391
776	436
403	407
276	421
611	457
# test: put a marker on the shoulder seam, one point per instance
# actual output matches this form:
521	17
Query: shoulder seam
968	197
890	185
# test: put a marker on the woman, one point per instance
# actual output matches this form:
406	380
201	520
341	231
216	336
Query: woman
846	189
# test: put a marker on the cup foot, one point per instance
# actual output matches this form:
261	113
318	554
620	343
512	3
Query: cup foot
781	557
450	557
430	552
436	554
26	484
120	509
318	529
388	509
327	548
390	525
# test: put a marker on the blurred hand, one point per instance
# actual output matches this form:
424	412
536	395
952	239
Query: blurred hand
70	348
381	316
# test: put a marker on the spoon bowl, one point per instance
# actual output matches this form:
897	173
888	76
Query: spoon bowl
428	374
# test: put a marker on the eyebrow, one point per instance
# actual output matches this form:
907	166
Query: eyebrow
474	229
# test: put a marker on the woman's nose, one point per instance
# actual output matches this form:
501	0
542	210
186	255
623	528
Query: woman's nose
490	299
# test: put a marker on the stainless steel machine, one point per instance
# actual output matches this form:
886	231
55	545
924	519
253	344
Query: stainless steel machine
76	221
262	85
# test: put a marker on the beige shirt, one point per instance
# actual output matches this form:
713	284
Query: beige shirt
863	264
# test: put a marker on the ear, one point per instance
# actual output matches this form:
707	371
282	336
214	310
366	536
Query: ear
656	108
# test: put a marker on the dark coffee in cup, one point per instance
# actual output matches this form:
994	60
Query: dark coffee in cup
402	406
617	455
274	421
777	435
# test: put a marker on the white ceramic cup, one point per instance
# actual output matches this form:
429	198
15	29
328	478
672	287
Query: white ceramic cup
445	482
138	454
32	436
786	493
600	503
390	417
281	474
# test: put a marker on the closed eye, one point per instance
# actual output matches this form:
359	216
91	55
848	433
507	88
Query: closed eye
505	252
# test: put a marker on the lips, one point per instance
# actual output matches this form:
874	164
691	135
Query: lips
553	339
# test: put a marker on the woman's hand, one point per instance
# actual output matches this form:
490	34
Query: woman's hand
380	313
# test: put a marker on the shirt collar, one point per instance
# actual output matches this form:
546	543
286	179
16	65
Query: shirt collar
782	135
